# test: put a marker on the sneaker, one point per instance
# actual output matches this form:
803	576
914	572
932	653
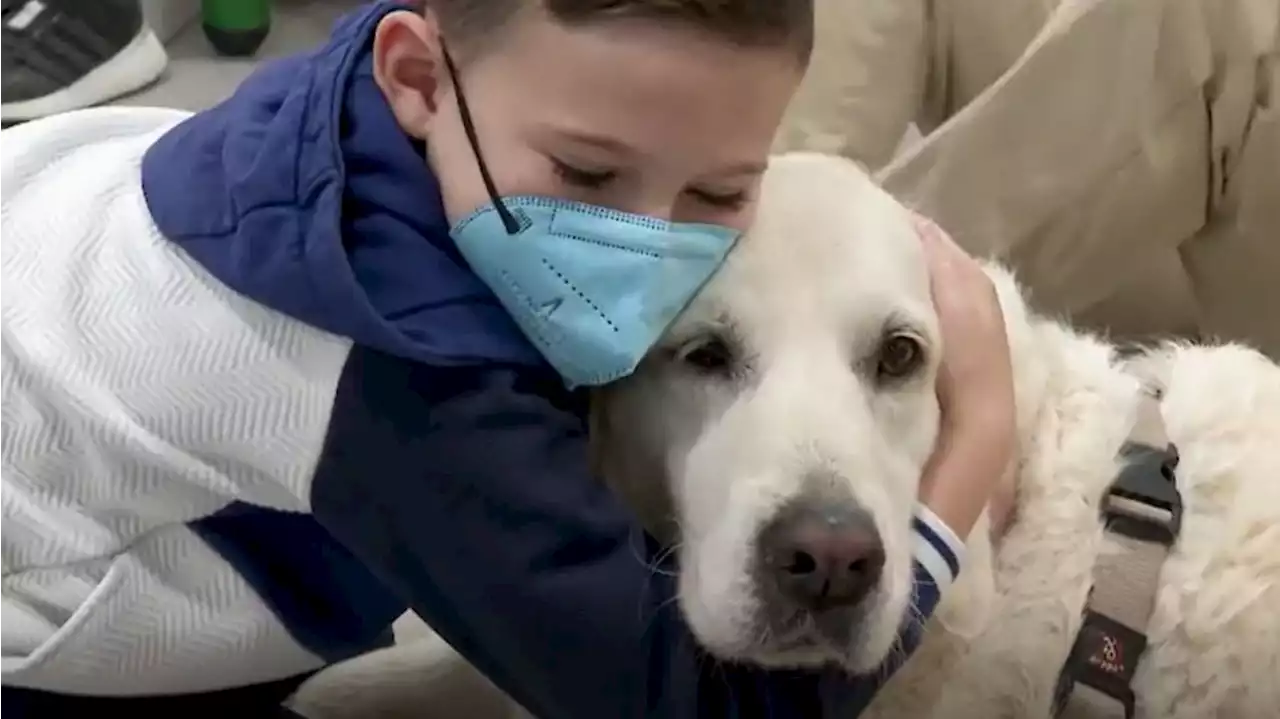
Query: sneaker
61	55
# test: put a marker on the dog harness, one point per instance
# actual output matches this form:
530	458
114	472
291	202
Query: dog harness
1142	517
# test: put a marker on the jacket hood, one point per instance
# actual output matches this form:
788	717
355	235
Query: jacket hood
301	192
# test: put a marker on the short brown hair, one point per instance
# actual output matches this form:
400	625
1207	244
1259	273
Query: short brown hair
466	24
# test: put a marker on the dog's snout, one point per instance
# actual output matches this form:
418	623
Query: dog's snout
822	554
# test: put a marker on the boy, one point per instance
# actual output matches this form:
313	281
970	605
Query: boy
257	395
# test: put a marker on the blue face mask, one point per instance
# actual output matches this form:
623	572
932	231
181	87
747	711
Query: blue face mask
592	288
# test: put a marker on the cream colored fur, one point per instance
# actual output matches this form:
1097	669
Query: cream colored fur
806	295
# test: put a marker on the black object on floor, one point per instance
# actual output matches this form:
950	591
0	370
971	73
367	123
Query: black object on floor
265	701
61	55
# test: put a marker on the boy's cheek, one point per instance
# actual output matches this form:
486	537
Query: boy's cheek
459	204
463	191
516	169
461	185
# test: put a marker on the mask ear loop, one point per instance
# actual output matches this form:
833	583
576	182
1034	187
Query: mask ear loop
509	221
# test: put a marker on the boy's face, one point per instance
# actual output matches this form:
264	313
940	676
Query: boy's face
632	115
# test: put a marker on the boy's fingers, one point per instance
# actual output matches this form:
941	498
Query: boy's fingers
949	265
939	248
930	241
929	232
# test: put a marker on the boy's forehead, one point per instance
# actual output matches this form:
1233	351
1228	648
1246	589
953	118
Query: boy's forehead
637	84
538	45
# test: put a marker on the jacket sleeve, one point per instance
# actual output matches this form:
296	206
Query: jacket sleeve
468	492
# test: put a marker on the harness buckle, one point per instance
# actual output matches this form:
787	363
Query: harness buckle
1144	502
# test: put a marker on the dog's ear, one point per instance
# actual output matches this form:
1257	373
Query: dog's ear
607	452
637	478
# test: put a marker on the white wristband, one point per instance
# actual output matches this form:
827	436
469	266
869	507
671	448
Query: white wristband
936	547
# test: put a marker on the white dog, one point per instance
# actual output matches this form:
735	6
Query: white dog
803	376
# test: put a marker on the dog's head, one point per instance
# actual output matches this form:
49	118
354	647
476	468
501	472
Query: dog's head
783	423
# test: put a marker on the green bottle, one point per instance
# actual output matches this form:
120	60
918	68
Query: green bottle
236	27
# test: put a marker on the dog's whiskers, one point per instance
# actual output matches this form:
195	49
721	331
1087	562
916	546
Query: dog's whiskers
654	565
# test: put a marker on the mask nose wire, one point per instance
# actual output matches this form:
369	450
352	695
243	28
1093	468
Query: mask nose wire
509	222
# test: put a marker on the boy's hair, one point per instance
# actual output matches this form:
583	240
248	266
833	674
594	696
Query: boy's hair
468	24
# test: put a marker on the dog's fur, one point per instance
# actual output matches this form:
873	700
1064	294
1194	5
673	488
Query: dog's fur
805	298
803	304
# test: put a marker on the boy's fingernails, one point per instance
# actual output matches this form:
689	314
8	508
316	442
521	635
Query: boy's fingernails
925	227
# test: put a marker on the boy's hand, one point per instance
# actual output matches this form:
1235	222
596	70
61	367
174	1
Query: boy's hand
975	389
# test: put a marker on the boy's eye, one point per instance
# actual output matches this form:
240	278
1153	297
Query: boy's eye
589	179
725	200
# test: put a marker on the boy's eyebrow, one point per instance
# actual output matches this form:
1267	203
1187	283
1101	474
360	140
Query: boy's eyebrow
603	142
617	146
744	168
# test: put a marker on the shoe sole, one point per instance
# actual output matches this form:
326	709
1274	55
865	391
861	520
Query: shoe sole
134	67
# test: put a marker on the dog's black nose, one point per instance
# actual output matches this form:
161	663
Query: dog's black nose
822	554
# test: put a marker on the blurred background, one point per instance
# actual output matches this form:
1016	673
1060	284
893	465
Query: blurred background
197	76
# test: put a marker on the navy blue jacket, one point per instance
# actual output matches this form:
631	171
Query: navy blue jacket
454	476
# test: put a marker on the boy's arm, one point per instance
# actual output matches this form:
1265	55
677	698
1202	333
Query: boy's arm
467	491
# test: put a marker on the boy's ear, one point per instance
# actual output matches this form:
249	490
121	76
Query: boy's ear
408	65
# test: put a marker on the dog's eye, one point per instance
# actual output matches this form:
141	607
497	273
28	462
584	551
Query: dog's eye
900	355
711	355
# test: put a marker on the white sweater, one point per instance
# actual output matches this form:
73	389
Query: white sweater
109	330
